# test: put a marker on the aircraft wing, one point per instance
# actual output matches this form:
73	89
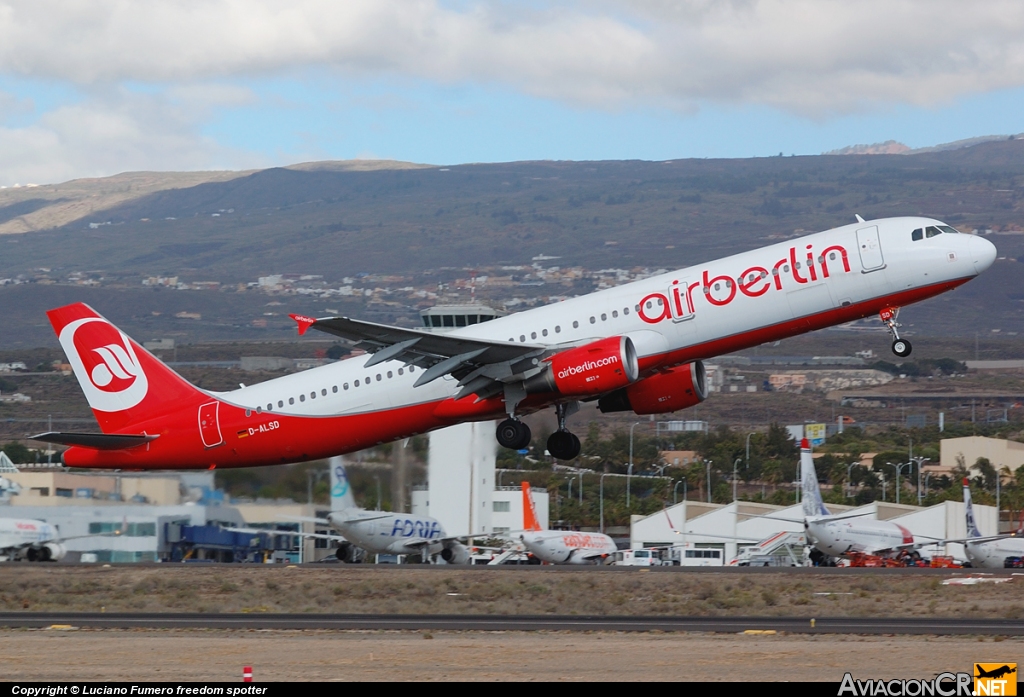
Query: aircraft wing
481	365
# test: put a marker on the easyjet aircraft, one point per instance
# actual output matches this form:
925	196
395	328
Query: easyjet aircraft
561	546
636	347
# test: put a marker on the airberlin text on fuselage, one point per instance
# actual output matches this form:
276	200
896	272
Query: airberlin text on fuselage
587	365
753	282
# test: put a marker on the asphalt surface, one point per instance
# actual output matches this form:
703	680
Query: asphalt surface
804	625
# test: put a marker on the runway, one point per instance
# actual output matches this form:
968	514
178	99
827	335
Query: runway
496	623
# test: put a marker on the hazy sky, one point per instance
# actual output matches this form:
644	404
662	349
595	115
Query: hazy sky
91	87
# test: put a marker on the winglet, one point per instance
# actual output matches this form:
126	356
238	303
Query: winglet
530	522
304	322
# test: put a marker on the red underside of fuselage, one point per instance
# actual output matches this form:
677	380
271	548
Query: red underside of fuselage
301	438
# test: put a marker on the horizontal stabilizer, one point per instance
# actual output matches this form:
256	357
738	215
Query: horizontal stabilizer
97	441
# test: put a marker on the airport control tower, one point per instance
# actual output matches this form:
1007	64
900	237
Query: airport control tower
461	459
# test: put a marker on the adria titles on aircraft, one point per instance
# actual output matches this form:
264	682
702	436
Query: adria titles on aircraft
637	347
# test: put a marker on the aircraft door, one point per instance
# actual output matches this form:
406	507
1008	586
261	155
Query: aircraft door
209	424
870	248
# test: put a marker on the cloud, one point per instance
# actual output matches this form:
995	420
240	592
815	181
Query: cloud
811	57
115	131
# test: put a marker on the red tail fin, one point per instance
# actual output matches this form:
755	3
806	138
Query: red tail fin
124	384
529	512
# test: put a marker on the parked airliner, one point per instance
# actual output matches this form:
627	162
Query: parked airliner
561	546
379	532
987	552
636	347
838	535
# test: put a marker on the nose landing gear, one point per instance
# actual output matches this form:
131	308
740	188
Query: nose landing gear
901	347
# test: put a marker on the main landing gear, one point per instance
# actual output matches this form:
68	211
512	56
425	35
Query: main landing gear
513	433
901	347
562	444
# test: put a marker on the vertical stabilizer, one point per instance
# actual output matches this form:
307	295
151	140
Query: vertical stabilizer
124	384
972	527
341	492
529	512
812	503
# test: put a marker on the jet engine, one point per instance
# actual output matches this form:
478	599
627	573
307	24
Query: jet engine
51	551
670	390
592	369
346	552
455	553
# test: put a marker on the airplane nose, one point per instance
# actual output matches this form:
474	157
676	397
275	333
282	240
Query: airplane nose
983	252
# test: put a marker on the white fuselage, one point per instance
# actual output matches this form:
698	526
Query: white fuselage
17	534
383	533
690	314
564	547
993	554
838	537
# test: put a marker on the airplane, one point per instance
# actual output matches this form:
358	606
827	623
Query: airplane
561	546
378	532
839	535
987	552
637	347
33	540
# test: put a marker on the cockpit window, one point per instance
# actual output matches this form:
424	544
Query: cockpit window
932	231
948	229
917	234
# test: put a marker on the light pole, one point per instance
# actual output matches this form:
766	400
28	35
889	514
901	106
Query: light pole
898	467
707	465
601	497
734	478
919	461
630	470
748	448
675	490
849	469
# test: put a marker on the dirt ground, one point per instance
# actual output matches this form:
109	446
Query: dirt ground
216	655
524	591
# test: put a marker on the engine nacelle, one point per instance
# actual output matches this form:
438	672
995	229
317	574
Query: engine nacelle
678	388
455	553
345	552
596	368
51	551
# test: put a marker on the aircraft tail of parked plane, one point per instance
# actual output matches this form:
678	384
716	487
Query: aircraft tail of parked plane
810	491
972	526
530	521
341	493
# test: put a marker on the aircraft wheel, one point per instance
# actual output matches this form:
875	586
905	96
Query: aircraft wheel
563	445
901	347
514	434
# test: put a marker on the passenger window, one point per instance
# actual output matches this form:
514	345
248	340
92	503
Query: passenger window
533	335
334	389
412	369
831	256
323	392
248	413
522	337
615	313
390	375
280	403
544	332
593	320
575	324
558	329
356	383
270	407
302	398
291	400
625	310
401	371
604	317
932	231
